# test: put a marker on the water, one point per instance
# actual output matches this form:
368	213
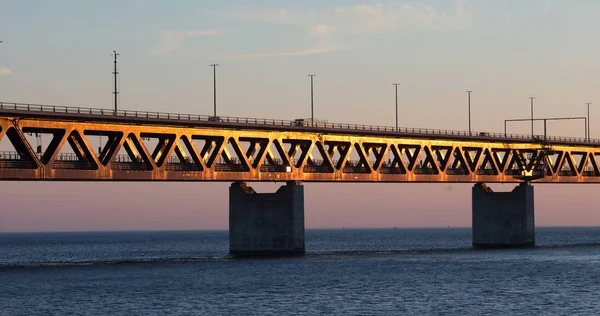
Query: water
345	272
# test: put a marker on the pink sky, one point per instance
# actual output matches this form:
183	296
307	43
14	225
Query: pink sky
505	51
61	206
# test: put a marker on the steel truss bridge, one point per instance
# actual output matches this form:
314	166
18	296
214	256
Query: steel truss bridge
152	146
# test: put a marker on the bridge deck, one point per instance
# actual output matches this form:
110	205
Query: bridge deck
80	114
202	148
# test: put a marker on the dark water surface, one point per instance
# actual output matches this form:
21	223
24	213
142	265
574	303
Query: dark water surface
345	272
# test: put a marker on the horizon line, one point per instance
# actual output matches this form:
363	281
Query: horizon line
227	230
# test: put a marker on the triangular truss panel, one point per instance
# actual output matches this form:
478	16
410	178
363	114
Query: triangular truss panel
254	149
79	155
298	151
162	145
376	152
410	155
209	147
528	158
457	164
515	165
361	165
57	138
135	156
318	161
472	156
591	168
579	159
487	166
233	158
501	157
395	164
185	156
16	152
426	162
568	166
276	158
554	160
442	155
108	144
338	153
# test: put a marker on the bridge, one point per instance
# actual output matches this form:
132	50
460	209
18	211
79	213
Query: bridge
153	146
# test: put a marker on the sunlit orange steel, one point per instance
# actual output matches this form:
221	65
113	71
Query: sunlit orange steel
232	149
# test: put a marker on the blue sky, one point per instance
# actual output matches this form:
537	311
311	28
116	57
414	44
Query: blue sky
59	52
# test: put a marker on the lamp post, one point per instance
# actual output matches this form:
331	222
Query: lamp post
469	101
214	88
115	73
396	88
312	101
531	98
588	120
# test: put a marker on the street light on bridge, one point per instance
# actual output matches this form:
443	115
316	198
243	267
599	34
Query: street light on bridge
469	101
115	74
396	88
588	120
312	101
214	89
531	98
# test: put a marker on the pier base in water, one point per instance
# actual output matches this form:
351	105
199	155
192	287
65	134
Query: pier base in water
503	219
266	224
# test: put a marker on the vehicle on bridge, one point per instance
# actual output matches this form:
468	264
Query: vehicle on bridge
310	122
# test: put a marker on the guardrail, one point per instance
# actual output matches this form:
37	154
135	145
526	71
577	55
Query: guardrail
274	122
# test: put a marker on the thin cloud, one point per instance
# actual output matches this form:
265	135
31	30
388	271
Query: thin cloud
327	26
5	71
548	7
359	18
319	49
382	17
172	40
274	16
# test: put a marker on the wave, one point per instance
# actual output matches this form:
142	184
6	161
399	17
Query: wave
574	245
340	254
54	264
375	253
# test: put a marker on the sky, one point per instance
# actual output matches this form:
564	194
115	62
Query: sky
59	52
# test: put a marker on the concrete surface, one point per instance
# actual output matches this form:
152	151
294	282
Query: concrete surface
503	219
263	224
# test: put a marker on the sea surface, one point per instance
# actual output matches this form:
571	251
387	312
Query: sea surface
345	272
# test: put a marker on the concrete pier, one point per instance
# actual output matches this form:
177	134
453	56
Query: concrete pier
503	219
266	224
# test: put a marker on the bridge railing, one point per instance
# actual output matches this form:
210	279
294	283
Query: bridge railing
276	122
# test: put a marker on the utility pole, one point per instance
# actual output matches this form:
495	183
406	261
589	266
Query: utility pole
214	88
588	120
312	101
396	87
469	101
531	98
115	73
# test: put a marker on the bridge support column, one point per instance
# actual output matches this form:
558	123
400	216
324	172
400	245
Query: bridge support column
503	219
266	223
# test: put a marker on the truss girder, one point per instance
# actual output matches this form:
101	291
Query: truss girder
220	154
